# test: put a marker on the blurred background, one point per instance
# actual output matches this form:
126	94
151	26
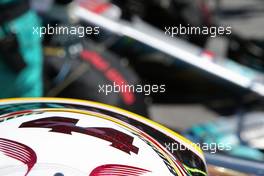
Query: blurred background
214	85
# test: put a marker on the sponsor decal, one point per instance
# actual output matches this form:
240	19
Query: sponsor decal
118	139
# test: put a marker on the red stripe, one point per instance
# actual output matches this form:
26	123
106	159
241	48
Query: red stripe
11	149
16	113
110	73
19	152
101	8
95	60
118	170
95	6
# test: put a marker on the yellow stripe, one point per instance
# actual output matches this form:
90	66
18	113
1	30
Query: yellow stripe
197	148
194	170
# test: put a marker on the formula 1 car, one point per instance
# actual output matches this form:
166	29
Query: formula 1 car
238	142
191	73
68	137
